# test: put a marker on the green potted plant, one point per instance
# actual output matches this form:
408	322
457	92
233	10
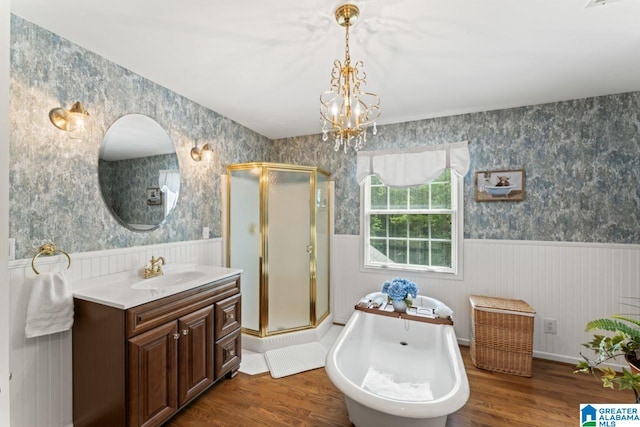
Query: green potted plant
625	341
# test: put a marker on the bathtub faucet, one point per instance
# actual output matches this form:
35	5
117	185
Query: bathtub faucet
155	269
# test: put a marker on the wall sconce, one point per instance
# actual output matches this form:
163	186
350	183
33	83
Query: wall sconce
197	154
75	120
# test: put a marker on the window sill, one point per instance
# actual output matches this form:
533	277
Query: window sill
397	269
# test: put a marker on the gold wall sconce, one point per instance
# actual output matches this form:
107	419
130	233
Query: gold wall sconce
197	154
75	120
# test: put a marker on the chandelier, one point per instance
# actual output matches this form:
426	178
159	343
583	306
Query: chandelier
345	110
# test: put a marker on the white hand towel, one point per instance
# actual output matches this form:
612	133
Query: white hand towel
50	307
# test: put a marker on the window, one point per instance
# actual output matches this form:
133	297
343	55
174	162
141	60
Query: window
413	228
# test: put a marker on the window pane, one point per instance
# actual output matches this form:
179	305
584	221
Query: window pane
397	198
378	197
378	251
441	254
419	252
397	226
407	237
441	226
418	226
441	196
378	226
419	197
398	251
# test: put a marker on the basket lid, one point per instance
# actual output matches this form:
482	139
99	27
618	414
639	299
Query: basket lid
493	303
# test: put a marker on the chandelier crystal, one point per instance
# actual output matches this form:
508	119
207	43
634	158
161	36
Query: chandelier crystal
345	110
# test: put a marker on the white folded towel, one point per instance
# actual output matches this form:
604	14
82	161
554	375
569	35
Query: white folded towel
50	307
385	385
378	302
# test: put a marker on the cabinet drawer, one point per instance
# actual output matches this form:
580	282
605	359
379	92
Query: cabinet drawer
228	353
227	316
147	316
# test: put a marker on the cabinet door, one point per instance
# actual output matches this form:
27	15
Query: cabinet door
195	353
153	375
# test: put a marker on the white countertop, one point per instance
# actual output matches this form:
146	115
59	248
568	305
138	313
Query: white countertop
129	289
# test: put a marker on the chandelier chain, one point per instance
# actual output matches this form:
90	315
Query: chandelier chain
347	54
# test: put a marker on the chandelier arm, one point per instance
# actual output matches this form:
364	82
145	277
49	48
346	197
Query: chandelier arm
336	71
358	73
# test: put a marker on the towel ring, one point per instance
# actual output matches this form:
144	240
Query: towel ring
49	249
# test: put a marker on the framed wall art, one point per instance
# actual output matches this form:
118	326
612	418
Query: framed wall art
154	196
500	185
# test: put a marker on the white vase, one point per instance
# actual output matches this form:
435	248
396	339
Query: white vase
399	305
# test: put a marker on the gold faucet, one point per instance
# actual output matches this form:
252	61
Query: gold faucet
155	269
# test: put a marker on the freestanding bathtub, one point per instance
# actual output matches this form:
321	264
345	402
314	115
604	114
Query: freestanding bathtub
398	372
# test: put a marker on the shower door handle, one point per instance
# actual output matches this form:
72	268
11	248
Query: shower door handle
309	249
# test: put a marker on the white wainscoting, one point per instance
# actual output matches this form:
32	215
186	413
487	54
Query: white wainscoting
570	282
41	387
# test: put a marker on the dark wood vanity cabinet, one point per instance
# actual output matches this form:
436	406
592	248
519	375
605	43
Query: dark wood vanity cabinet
137	367
170	365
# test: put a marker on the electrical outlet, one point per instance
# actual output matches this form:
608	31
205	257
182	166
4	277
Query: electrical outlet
12	248
205	232
550	326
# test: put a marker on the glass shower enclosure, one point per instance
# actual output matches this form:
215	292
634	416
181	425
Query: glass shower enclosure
278	234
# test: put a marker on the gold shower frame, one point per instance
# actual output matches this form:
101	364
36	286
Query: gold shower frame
265	167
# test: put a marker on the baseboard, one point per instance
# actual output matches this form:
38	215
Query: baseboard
573	360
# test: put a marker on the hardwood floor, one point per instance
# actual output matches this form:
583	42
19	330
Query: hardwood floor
551	397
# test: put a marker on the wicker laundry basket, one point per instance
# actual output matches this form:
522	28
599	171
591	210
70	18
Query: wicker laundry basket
502	335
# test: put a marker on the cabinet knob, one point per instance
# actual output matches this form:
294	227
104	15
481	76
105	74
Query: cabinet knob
230	316
232	352
176	336
185	332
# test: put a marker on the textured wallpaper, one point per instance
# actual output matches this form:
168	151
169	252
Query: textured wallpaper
55	195
581	159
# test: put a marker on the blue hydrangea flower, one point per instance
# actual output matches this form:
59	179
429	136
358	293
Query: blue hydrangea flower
398	289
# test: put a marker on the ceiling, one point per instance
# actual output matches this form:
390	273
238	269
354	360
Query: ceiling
264	63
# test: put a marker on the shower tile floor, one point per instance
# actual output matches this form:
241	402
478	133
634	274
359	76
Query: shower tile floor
253	363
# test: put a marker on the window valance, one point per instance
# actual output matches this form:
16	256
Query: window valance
413	166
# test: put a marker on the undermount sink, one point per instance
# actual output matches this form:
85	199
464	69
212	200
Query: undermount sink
168	280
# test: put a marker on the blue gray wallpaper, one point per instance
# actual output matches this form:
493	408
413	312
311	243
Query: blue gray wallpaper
54	193
581	159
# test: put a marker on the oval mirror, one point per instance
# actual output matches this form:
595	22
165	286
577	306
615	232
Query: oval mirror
138	172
